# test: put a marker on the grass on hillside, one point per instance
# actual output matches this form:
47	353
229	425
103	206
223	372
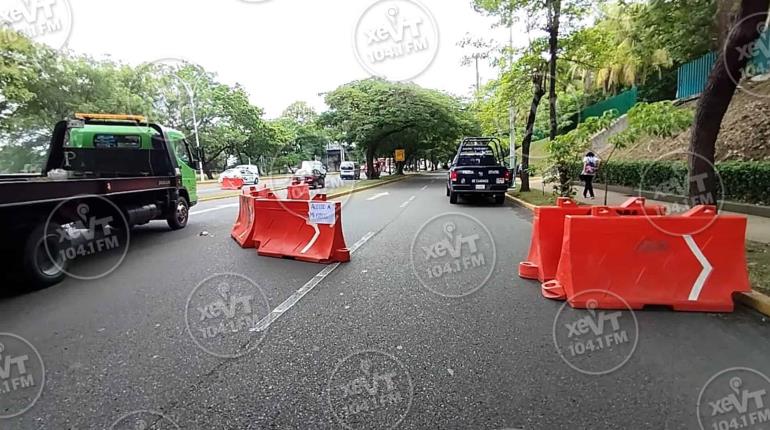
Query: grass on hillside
758	256
537	155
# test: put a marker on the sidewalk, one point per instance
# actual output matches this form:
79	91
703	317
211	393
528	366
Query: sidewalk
758	227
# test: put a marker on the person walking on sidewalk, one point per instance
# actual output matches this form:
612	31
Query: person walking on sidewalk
590	166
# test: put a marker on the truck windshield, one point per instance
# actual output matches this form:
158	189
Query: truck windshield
182	151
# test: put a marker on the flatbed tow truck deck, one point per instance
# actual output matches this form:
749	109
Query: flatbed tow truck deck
120	167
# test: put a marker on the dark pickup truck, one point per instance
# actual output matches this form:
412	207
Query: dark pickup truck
478	169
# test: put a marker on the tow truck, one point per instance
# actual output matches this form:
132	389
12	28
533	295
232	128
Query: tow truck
118	168
478	169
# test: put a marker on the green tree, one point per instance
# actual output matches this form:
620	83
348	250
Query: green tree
380	116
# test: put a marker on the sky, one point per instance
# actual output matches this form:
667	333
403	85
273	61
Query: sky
283	51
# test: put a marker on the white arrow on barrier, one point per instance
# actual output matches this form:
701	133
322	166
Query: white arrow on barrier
704	274
312	240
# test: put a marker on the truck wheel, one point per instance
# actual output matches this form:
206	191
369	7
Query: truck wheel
40	269
177	220
447	191
499	199
452	197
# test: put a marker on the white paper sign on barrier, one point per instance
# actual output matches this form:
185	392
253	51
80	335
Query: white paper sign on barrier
322	213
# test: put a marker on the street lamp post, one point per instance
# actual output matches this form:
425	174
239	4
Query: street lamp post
195	124
512	124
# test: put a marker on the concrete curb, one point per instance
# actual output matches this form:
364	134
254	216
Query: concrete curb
520	202
215	181
755	300
365	187
329	196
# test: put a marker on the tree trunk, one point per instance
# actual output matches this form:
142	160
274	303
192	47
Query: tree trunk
370	172
553	47
724	19
716	97
538	92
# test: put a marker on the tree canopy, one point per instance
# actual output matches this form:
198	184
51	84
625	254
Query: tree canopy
378	116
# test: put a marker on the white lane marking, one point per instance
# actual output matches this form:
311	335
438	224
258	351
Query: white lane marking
276	313
403	205
316	234
233	205
377	196
424	188
704	274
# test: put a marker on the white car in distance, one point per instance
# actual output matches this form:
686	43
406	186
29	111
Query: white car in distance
248	172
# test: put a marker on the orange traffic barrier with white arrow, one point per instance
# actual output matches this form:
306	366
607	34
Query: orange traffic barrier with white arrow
306	229
692	262
548	232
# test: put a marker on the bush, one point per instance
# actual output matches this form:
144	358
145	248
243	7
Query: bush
744	181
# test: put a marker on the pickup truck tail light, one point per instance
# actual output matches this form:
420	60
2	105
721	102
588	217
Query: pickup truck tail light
507	175
453	176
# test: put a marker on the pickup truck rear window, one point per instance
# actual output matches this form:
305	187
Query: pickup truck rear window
117	141
476	160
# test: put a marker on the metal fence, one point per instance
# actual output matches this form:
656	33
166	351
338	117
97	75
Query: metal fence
692	77
620	103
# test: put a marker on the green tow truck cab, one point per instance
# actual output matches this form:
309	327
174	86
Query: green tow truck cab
104	174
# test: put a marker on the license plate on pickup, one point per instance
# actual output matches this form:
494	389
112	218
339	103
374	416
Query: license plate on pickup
481	187
481	181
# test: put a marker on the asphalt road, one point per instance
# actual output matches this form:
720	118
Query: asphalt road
427	327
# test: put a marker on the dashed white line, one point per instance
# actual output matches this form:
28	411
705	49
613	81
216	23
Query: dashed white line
276	313
232	205
424	188
377	196
403	205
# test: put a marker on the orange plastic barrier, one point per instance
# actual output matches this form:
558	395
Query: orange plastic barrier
298	192
232	183
640	260
243	229
285	229
548	230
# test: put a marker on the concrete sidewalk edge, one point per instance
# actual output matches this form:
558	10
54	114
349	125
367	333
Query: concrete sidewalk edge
520	202
755	300
365	187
